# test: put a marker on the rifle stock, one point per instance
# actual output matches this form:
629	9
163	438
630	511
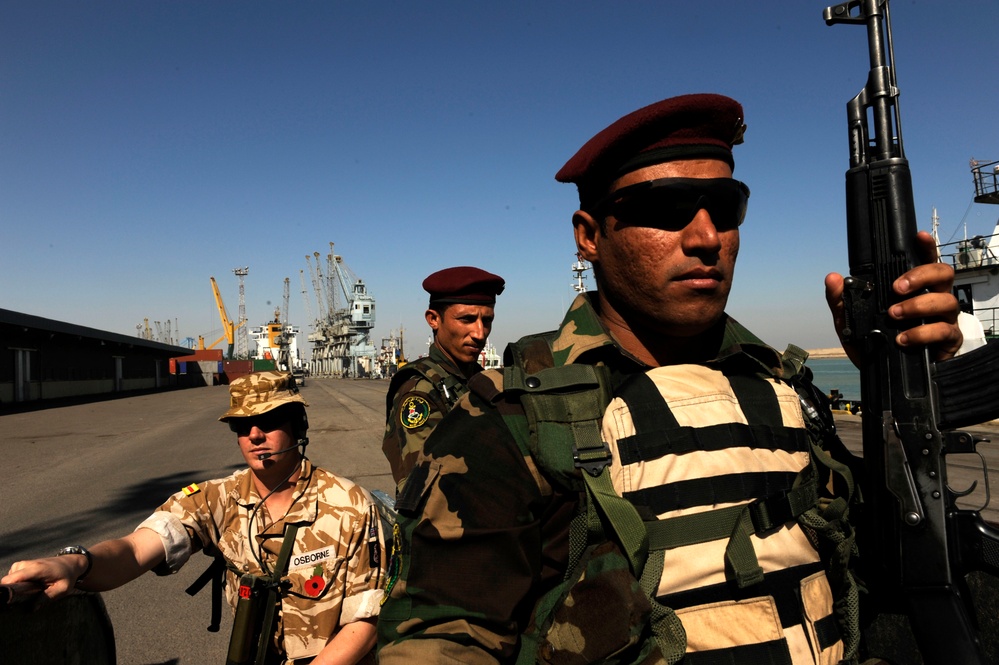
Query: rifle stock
919	546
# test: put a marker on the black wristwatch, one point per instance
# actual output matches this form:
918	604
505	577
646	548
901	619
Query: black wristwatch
79	549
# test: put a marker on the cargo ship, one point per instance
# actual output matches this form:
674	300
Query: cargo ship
276	341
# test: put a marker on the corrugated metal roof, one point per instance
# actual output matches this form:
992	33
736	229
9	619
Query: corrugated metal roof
30	321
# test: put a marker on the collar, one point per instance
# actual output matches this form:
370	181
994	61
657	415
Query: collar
582	333
741	349
304	508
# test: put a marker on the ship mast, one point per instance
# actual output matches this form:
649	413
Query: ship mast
578	270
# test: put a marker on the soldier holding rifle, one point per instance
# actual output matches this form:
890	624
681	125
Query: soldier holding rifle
302	549
648	482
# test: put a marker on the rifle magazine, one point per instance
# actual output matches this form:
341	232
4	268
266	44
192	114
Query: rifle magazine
967	388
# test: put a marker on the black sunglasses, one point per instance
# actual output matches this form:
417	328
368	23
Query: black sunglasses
266	422
671	203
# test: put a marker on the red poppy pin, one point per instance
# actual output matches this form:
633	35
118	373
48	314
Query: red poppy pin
315	584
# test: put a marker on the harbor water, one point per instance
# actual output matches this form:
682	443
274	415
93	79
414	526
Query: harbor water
836	374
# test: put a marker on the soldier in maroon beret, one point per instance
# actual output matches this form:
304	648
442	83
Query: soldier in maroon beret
460	315
670	527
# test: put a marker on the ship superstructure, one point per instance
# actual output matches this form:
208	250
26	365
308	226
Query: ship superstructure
489	358
390	356
341	333
277	341
976	259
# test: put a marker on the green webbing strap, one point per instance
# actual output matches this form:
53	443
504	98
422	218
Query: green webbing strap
666	625
623	519
794	358
552	378
273	594
448	385
737	523
453	389
570	396
740	557
692	529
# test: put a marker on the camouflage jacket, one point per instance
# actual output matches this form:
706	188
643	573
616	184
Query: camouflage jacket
416	408
336	566
484	532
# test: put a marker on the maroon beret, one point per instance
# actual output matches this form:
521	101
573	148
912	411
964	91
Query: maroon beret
465	285
684	127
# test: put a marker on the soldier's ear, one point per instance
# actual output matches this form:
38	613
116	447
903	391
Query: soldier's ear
433	319
587	232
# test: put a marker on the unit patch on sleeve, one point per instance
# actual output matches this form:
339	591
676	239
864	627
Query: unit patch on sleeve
414	412
191	489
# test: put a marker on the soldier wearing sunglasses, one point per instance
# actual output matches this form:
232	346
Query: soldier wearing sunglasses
663	519
325	586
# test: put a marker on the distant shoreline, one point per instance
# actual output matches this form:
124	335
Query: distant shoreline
835	352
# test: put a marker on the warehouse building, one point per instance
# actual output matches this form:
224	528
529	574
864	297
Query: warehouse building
42	359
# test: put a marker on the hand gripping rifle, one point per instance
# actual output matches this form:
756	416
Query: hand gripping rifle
921	545
256	609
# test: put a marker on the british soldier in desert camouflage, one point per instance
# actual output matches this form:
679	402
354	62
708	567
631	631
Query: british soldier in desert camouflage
331	583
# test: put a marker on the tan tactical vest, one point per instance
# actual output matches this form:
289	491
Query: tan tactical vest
706	487
694	448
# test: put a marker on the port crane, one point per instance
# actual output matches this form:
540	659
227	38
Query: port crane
228	327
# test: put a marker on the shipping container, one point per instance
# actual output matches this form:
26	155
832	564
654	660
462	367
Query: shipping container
233	369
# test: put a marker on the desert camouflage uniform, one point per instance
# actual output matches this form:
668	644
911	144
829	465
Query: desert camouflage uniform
485	534
337	562
416	409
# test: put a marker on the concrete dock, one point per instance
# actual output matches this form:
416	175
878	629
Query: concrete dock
81	474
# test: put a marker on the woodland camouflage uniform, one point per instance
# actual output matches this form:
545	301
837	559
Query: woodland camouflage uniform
423	391
484	533
416	408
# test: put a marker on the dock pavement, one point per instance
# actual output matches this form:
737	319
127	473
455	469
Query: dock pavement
84	473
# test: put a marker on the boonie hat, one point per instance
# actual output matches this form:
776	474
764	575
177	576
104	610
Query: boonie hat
464	285
684	127
260	392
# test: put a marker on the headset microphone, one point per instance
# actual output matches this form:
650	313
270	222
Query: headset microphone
264	456
301	442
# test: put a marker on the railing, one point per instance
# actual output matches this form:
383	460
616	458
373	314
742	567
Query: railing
986	181
967	254
989	317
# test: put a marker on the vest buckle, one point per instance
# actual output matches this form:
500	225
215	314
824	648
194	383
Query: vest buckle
771	512
592	460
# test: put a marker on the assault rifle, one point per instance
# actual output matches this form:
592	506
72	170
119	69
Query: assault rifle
920	545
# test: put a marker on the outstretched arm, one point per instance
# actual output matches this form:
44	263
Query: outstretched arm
930	298
115	562
349	645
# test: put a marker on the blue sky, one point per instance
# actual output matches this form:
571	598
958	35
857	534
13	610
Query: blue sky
146	146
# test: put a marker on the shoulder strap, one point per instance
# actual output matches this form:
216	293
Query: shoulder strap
565	407
214	573
448	385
